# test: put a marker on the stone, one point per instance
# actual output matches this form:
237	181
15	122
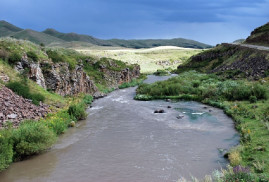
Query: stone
12	116
180	116
169	107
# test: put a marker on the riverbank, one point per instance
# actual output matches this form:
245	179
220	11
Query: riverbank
245	101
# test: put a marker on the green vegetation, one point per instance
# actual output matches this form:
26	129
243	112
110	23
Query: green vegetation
77	111
32	55
161	73
150	60
245	101
33	137
260	36
24	91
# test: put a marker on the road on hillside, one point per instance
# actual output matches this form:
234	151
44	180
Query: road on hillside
253	46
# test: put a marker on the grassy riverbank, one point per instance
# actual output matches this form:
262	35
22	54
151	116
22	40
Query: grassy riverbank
245	101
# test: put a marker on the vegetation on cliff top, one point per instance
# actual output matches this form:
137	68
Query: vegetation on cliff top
260	36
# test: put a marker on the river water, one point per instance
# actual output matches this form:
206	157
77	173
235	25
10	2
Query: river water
124	140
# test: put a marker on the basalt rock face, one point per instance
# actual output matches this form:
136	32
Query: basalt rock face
64	81
33	69
115	78
15	108
232	60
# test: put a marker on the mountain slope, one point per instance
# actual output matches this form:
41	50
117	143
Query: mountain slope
51	37
36	37
149	43
70	37
7	29
260	36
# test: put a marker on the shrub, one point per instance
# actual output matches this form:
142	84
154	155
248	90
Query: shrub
14	58
196	83
58	122
24	91
19	89
77	111
234	157
36	98
6	152
32	55
31	138
252	99
87	99
55	56
239	173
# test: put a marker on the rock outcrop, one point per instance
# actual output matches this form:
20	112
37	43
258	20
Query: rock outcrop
260	36
33	69
64	81
233	60
115	78
15	108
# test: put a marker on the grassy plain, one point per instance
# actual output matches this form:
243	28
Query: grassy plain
150	60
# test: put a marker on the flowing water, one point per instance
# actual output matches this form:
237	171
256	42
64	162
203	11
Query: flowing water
124	140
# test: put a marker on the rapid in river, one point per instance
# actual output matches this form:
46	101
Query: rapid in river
124	140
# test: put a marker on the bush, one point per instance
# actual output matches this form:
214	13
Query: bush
77	111
58	122
239	173
19	89
32	55
24	91
87	99
6	152
252	99
55	56
14	58
31	138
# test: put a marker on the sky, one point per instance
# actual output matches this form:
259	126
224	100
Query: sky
207	21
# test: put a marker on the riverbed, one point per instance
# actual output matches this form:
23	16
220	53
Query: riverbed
124	140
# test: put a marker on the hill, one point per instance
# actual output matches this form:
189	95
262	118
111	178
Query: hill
7	29
260	36
51	37
36	37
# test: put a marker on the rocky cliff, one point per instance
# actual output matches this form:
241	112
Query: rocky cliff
231	61
61	79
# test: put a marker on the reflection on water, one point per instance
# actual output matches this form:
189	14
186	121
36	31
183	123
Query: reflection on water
124	140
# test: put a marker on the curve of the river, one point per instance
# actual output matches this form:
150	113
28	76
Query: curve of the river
124	140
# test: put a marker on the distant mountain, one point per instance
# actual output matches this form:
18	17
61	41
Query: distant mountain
149	43
69	37
52	37
7	29
36	37
260	36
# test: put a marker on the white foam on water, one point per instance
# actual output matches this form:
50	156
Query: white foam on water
198	113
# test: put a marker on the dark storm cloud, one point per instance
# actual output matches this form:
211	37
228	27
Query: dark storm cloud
202	20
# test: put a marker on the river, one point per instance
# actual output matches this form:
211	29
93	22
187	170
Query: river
124	140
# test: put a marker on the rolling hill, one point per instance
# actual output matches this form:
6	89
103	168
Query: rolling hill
52	37
7	29
36	37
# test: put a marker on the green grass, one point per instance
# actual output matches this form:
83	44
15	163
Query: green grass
235	97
